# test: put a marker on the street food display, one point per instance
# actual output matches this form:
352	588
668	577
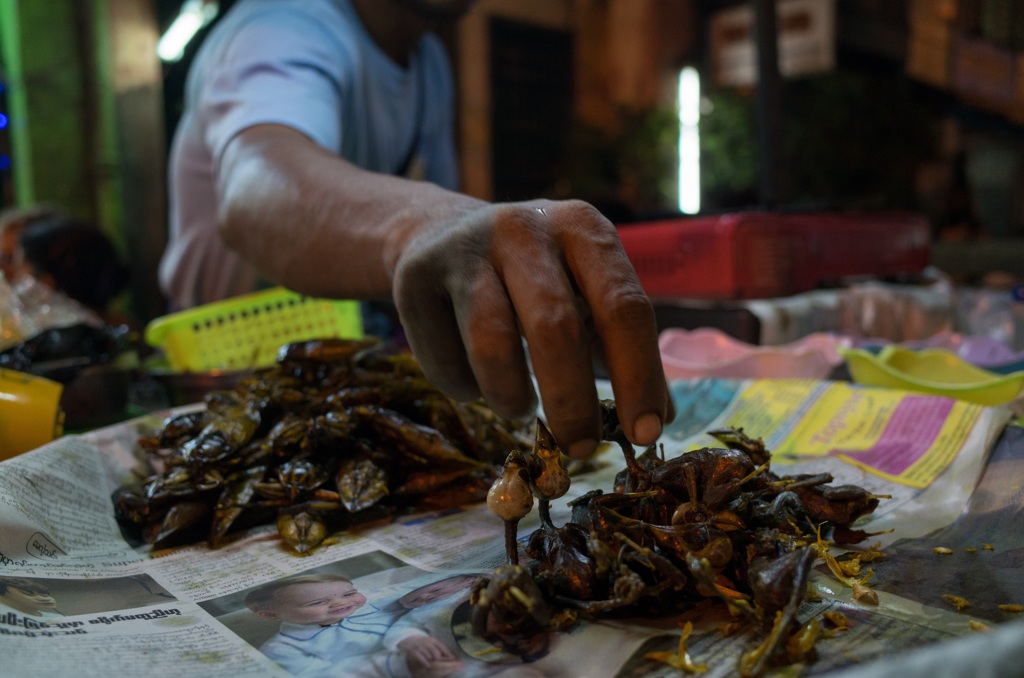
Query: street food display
702	553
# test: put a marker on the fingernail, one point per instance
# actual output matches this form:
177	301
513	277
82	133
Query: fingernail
647	429
581	449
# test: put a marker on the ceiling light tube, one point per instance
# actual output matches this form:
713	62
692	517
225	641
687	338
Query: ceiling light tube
193	16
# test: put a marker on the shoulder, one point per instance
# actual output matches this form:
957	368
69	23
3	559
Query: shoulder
436	74
309	43
269	30
292	26
323	15
435	59
433	48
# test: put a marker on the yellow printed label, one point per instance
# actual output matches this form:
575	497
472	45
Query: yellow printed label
908	438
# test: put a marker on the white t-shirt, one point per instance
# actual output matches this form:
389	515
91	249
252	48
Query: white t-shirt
309	65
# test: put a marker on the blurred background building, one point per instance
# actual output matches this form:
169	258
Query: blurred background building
647	108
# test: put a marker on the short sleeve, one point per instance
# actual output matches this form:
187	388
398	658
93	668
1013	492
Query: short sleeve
279	68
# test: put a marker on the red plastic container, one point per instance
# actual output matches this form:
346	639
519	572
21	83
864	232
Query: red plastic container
759	255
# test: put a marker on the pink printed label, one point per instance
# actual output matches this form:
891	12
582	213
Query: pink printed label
912	429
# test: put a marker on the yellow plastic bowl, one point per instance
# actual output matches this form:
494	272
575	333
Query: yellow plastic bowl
933	371
30	413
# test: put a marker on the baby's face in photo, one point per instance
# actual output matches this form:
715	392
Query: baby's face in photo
321	603
436	591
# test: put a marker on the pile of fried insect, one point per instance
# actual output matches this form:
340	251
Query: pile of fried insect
339	432
713	523
336	433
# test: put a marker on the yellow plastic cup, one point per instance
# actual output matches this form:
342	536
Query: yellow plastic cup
30	413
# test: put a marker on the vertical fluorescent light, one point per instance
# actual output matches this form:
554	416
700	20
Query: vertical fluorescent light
193	16
689	141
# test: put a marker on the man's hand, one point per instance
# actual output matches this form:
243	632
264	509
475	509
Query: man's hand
471	280
555	274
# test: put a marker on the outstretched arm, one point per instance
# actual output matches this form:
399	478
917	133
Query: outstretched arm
469	278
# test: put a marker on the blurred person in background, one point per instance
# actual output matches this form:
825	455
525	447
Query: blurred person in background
316	151
77	259
12	222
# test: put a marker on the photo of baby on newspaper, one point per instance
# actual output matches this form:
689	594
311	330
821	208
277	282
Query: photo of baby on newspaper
367	616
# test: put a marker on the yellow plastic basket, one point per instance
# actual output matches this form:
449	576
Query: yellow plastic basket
247	331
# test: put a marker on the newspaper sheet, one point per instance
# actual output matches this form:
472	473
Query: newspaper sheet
102	606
